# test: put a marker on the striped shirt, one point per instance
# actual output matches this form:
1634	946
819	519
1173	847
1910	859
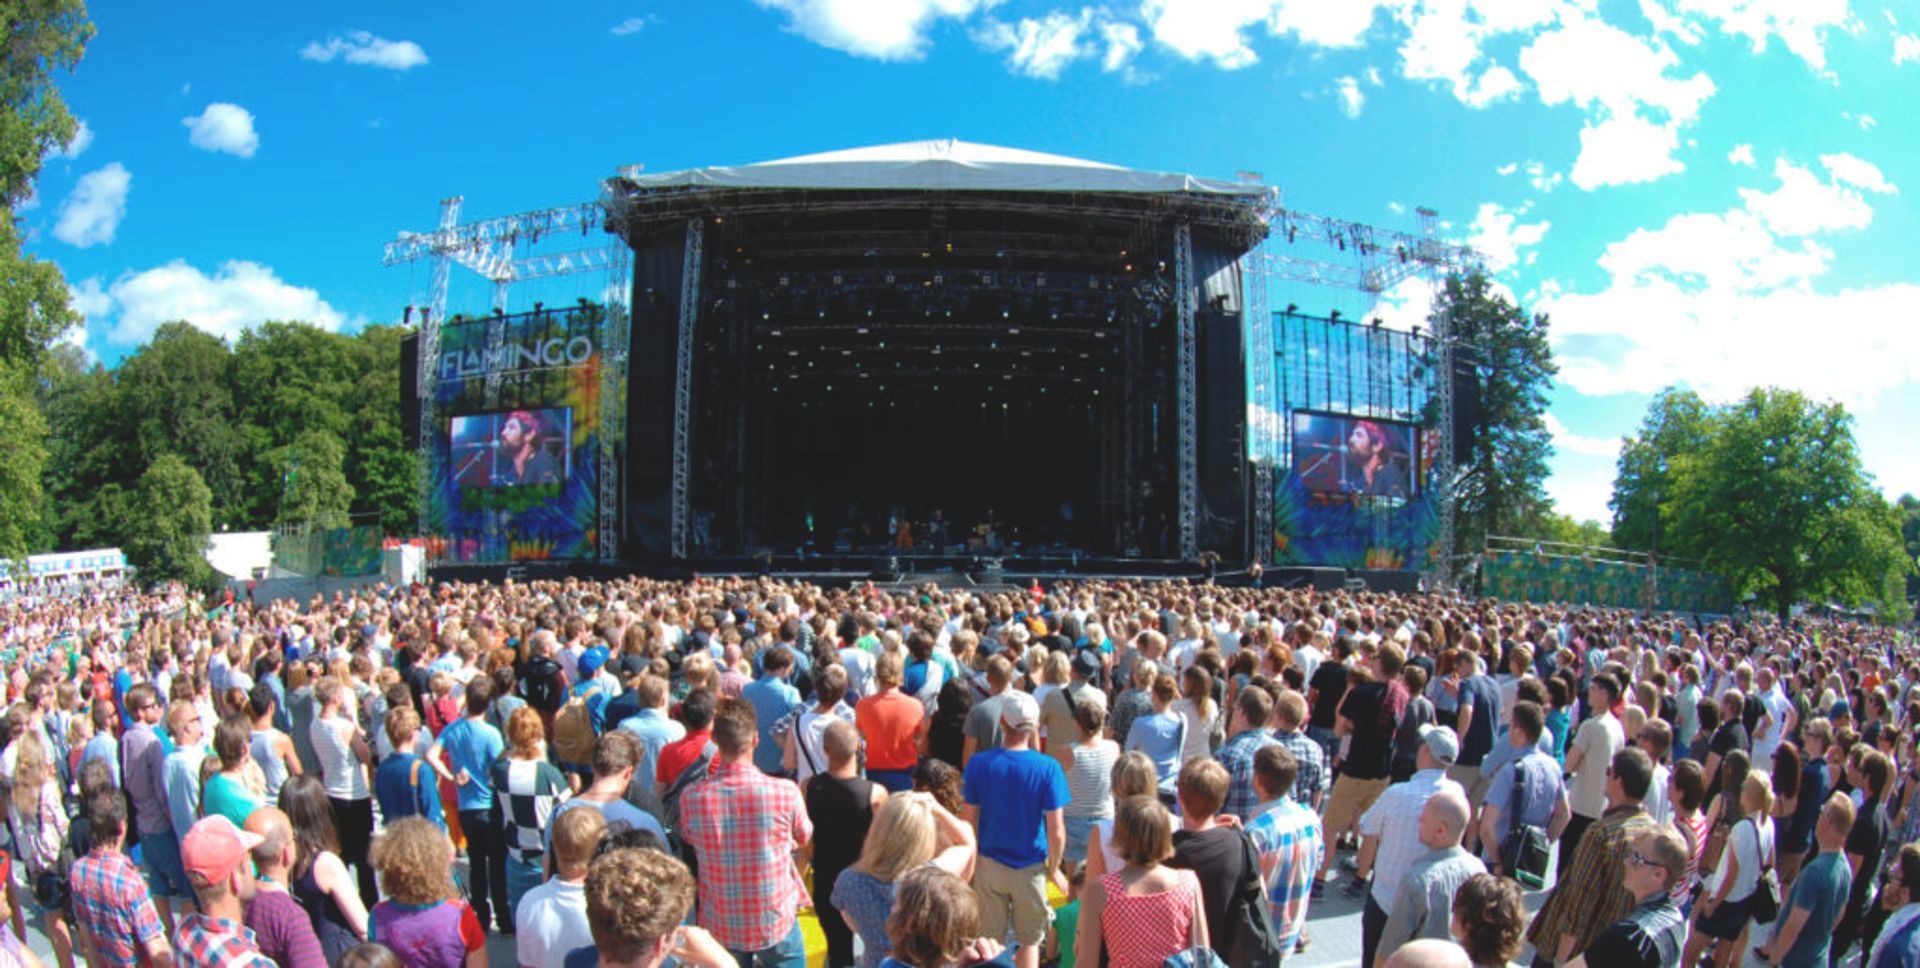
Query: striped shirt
1090	782
1289	840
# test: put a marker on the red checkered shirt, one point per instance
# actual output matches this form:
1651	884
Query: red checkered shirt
204	942
111	899
744	827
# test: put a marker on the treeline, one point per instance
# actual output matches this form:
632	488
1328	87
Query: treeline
289	424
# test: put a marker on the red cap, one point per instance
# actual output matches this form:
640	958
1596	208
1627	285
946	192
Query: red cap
213	848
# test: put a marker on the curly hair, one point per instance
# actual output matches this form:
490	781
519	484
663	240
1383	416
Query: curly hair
935	776
635	897
1491	910
415	861
935	917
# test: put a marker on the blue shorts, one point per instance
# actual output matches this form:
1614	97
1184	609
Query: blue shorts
160	862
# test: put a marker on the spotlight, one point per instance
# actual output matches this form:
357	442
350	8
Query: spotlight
1335	315
1292	308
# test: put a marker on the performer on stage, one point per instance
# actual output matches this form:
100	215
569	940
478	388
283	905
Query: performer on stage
521	459
1367	447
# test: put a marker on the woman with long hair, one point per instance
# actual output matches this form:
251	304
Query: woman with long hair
910	831
1090	778
1725	906
229	790
1133	776
1196	705
1145	912
319	879
38	817
935	922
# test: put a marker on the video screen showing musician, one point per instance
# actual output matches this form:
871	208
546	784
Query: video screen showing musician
1347	455
512	449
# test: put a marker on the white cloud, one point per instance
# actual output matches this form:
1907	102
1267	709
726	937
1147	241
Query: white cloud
362	47
238	295
1042	47
82	138
1217	30
1567	440
1351	98
1742	154
1906	49
1499	234
1799	24
631	25
92	212
888	30
1727	301
1445	42
1593	64
1543	180
1858	173
1123	42
223	127
1625	150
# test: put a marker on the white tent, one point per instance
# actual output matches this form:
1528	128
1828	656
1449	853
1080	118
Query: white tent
947	165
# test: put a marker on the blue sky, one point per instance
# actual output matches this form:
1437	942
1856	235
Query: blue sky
1713	192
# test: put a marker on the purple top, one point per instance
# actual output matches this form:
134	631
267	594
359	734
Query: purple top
436	936
146	762
284	931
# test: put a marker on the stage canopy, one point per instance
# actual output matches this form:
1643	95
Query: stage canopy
947	165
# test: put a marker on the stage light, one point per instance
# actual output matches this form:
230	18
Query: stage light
1378	322
1290	231
773	332
1416	331
823	312
793	352
862	331
765	315
784	280
1335	315
1004	313
1292	308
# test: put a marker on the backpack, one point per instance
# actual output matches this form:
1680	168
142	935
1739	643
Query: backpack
542	684
573	735
670	799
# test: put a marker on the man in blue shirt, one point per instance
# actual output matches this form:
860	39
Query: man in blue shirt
1015	797
471	745
772	699
655	729
1541	797
1479	712
1812	909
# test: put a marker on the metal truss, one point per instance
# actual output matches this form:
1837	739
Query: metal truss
682	516
613	412
429	358
1187	416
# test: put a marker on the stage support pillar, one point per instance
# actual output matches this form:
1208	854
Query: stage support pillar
681	520
1187	418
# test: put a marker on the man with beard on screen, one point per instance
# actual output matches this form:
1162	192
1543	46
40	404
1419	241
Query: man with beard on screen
520	459
1370	469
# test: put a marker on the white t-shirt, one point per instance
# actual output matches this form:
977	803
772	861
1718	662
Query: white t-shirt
1747	850
1598	739
344	774
1779	708
551	922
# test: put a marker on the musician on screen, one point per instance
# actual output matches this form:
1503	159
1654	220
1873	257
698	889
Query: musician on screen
1368	457
520	459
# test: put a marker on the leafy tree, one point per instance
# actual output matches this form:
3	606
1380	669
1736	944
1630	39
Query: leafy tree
168	520
1910	535
1554	526
42	37
1676	424
315	489
384	470
1502	485
174	396
1777	500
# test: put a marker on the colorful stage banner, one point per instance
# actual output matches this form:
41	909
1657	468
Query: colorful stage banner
1544	578
1343	530
333	552
517	405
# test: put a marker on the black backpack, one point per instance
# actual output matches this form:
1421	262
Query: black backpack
544	685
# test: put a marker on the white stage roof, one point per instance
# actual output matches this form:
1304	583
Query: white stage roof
940	166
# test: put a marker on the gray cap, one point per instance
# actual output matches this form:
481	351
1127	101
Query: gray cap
1019	711
1441	742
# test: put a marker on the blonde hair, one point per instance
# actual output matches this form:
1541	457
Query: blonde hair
901	838
1056	669
415	861
31	771
1760	788
888	669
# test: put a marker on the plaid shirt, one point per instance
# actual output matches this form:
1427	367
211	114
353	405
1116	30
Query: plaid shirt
204	942
1312	778
1395	819
744	826
111	899
1589	894
1236	755
1289	840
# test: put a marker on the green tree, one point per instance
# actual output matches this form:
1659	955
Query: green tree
1776	499
174	396
1676	424
92	462
42	37
314	481
167	523
1502	486
1554	526
384	471
1910	536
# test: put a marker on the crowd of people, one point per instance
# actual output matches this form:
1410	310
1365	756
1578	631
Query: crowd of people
636	772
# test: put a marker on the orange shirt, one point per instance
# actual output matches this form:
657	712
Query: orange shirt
892	723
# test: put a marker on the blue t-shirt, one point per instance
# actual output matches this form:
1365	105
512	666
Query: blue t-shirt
1483	694
1806	811
616	811
1821	889
403	793
473	746
772	699
1013	790
1159	735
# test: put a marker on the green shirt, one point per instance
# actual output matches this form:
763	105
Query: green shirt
1066	924
225	797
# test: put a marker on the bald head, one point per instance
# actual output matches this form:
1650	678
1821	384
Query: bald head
1429	953
1444	819
275	851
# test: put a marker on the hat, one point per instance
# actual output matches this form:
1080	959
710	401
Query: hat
213	848
1020	711
591	660
1441	742
1086	663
